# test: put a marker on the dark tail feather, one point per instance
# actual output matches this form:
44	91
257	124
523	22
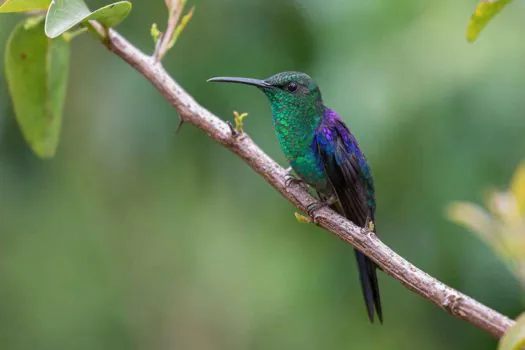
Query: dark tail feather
369	285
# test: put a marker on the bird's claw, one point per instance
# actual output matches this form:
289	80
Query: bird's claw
369	227
313	207
290	179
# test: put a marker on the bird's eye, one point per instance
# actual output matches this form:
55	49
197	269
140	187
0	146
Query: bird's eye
292	87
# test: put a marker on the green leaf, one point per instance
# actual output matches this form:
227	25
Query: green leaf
37	71
517	187
24	5
65	14
484	12
514	338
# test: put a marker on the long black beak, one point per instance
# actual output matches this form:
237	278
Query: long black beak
247	81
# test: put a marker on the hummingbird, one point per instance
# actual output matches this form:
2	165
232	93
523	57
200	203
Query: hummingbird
324	154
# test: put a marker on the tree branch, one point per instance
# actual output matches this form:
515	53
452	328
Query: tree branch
413	278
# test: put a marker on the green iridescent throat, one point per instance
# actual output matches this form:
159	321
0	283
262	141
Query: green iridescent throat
295	119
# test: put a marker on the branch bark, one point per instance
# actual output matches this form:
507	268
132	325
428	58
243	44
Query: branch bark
445	297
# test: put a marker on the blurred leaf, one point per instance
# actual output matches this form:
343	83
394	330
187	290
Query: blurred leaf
24	5
514	338
484	12
33	21
474	217
503	206
111	15
517	187
72	34
65	14
502	226
36	71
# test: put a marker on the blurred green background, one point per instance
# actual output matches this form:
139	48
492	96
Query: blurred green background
133	237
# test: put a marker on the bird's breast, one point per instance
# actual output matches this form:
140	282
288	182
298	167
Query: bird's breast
309	169
296	145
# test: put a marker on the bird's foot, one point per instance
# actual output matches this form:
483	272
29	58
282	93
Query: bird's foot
369	228
290	179
312	208
369	231
369	225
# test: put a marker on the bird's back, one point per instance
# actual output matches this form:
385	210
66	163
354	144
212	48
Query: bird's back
350	179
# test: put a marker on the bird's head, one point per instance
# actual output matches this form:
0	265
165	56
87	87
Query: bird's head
283	89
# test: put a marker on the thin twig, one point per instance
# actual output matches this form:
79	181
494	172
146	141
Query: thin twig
396	266
175	11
